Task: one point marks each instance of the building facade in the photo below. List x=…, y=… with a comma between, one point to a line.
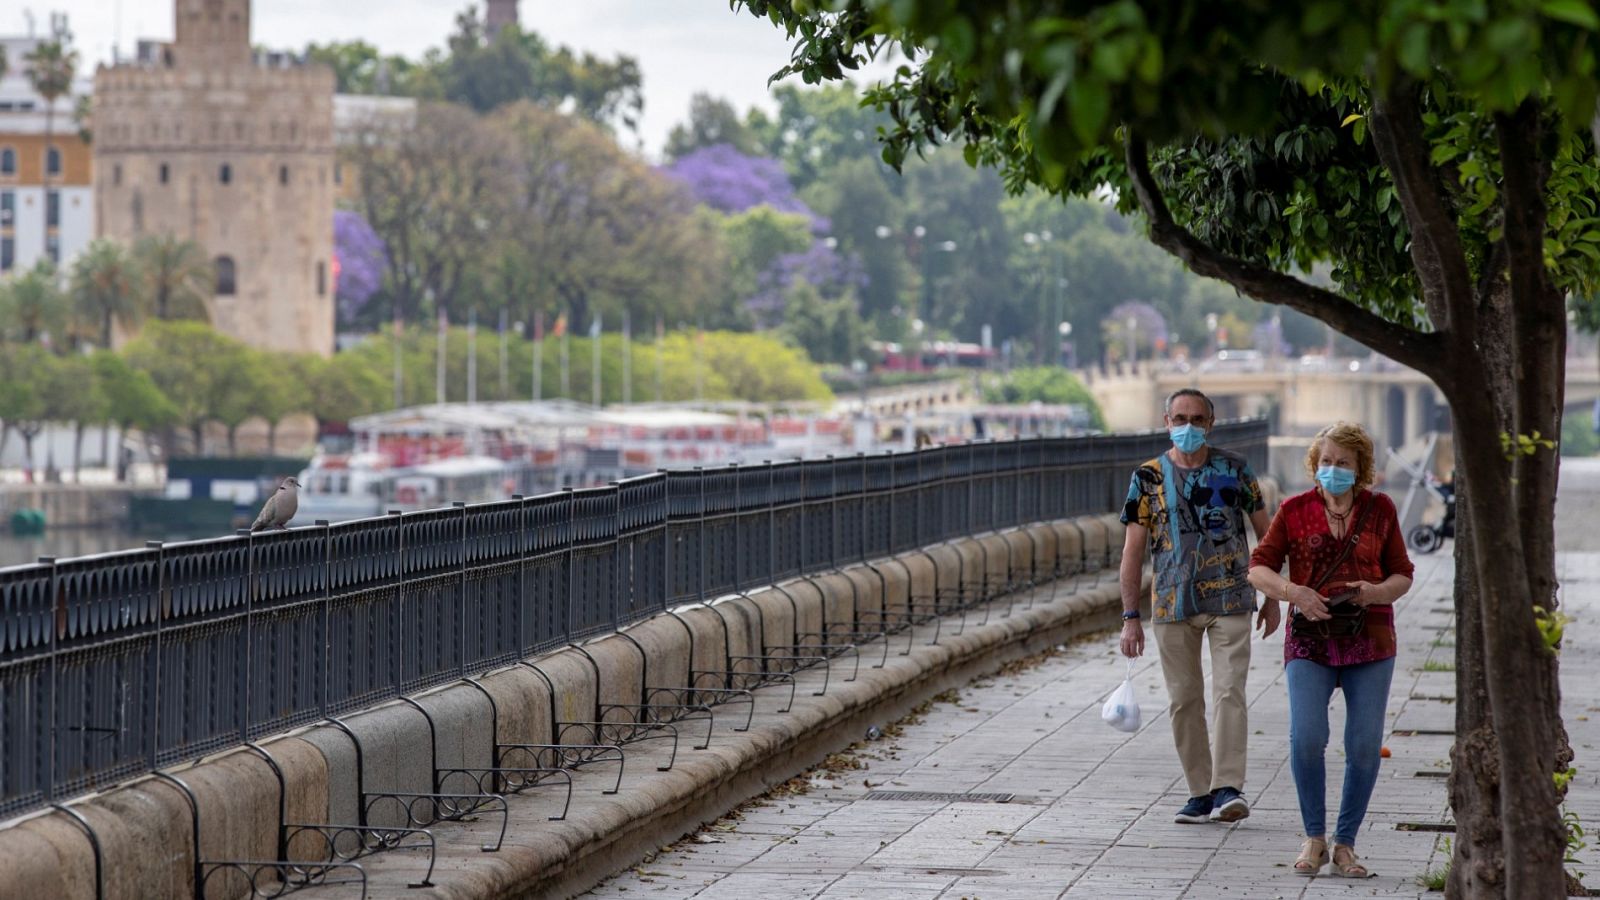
x=206, y=140
x=46, y=173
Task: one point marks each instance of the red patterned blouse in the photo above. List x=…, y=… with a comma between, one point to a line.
x=1300, y=532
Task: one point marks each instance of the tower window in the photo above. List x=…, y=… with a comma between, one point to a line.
x=52, y=247
x=322, y=278
x=8, y=253
x=338, y=174
x=8, y=161
x=52, y=209
x=52, y=161
x=226, y=285
x=116, y=175
x=164, y=173
x=283, y=174
x=225, y=174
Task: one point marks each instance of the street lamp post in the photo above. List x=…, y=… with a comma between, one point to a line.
x=1062, y=347
x=915, y=244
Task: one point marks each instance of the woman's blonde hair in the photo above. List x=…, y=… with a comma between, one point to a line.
x=1352, y=437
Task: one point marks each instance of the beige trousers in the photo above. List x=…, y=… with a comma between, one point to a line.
x=1214, y=757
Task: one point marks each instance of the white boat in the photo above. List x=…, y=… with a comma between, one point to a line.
x=338, y=488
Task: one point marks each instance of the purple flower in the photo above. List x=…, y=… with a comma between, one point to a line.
x=726, y=180
x=820, y=265
x=362, y=259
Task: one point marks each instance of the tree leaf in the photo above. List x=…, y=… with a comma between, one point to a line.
x=1091, y=107
x=1573, y=12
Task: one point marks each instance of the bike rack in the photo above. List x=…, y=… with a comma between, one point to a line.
x=288, y=875
x=771, y=664
x=852, y=630
x=560, y=756
x=441, y=807
x=646, y=713
x=690, y=696
x=500, y=780
x=798, y=654
x=368, y=840
x=602, y=735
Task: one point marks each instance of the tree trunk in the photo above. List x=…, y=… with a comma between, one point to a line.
x=1518, y=671
x=27, y=452
x=233, y=444
x=1477, y=862
x=272, y=437
x=197, y=434
x=77, y=452
x=105, y=330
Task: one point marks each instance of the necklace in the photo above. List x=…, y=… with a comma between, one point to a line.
x=1341, y=518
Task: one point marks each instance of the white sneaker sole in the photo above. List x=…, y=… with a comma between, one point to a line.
x=1232, y=811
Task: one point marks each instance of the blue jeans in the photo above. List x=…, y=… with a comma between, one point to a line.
x=1366, y=694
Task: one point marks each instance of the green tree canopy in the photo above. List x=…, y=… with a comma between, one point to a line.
x=32, y=304
x=1437, y=156
x=105, y=284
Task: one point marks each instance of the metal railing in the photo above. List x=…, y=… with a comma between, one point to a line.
x=119, y=664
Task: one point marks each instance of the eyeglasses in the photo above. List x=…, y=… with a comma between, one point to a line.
x=1201, y=494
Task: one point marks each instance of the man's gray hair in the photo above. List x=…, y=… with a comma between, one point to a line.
x=1211, y=408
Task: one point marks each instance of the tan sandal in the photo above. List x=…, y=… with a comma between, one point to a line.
x=1313, y=856
x=1346, y=864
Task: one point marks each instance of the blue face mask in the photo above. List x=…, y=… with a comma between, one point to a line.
x=1187, y=438
x=1335, y=479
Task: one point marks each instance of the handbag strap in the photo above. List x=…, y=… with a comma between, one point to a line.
x=1349, y=544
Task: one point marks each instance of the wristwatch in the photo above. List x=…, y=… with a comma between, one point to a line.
x=1130, y=614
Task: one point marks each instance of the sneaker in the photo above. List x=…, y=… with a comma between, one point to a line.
x=1228, y=805
x=1196, y=812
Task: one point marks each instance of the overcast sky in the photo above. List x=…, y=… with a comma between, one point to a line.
x=683, y=46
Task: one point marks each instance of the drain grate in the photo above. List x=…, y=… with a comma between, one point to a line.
x=1441, y=827
x=937, y=796
x=1431, y=773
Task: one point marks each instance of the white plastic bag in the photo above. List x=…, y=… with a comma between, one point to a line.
x=1122, y=707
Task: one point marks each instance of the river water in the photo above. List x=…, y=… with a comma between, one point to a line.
x=63, y=543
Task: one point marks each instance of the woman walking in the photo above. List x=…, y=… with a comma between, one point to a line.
x=1347, y=567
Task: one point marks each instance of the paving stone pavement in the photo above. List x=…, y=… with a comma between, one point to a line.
x=1092, y=812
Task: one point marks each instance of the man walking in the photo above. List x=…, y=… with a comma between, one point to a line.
x=1189, y=506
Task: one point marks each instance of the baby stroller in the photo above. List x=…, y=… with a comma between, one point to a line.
x=1426, y=538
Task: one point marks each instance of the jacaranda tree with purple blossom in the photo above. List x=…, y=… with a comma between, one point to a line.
x=731, y=182
x=362, y=258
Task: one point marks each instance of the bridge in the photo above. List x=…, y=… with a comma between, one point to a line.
x=1396, y=404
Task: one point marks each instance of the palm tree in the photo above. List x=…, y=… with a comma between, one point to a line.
x=105, y=287
x=177, y=277
x=51, y=66
x=32, y=304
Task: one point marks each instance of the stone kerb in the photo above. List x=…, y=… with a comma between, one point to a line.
x=144, y=827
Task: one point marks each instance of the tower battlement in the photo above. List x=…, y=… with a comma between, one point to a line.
x=205, y=141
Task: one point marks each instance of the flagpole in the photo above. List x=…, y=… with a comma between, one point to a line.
x=399, y=371
x=505, y=391
x=472, y=355
x=538, y=356
x=627, y=360
x=566, y=356
x=438, y=356
x=594, y=348
x=699, y=363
